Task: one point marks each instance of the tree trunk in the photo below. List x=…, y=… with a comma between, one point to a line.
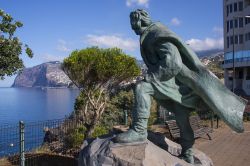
x=97, y=107
x=91, y=127
x=90, y=130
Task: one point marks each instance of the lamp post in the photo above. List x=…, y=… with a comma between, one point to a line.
x=233, y=55
x=235, y=17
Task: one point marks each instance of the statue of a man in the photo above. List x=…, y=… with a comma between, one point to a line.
x=179, y=82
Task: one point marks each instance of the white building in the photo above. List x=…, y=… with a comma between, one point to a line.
x=236, y=20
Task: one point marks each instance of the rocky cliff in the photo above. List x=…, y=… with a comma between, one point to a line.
x=47, y=74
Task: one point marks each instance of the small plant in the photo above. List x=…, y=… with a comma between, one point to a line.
x=152, y=119
x=193, y=113
x=99, y=130
x=43, y=149
x=246, y=117
x=153, y=114
x=75, y=138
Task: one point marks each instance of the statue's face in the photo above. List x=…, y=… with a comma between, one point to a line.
x=136, y=26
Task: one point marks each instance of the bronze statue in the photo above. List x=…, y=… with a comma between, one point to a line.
x=178, y=81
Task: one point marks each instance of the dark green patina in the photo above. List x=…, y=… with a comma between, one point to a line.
x=178, y=81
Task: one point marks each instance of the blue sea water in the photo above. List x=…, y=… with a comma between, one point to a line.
x=31, y=105
x=35, y=104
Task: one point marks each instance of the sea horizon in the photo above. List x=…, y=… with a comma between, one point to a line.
x=35, y=104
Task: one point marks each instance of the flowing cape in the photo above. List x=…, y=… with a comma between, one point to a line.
x=228, y=106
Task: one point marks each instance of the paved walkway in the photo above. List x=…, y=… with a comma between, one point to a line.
x=227, y=148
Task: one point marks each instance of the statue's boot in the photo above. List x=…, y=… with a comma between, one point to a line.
x=187, y=155
x=141, y=112
x=138, y=132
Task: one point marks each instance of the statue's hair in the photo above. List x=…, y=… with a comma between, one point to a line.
x=142, y=15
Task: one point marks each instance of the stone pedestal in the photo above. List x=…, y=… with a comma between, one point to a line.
x=104, y=152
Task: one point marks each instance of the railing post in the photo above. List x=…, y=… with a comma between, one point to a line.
x=126, y=117
x=212, y=119
x=217, y=118
x=21, y=145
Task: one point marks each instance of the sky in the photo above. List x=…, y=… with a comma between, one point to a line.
x=54, y=28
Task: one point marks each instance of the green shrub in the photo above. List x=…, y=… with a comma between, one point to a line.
x=246, y=117
x=81, y=129
x=114, y=115
x=152, y=119
x=74, y=138
x=193, y=113
x=99, y=130
x=153, y=113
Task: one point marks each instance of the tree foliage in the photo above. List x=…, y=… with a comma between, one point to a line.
x=96, y=72
x=120, y=102
x=96, y=67
x=10, y=46
x=124, y=100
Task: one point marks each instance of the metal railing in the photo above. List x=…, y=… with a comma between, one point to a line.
x=22, y=144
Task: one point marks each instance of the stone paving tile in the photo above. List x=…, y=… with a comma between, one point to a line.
x=227, y=148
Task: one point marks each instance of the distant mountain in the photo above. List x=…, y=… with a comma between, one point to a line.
x=47, y=74
x=208, y=53
x=50, y=74
x=217, y=58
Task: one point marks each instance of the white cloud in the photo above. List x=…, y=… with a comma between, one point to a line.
x=49, y=57
x=144, y=3
x=175, y=21
x=218, y=30
x=206, y=44
x=62, y=46
x=112, y=41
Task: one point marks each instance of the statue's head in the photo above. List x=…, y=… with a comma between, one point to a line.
x=139, y=20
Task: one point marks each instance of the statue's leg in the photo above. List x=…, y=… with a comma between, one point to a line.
x=141, y=112
x=186, y=132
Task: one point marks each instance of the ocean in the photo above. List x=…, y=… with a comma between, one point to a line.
x=35, y=104
x=31, y=105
